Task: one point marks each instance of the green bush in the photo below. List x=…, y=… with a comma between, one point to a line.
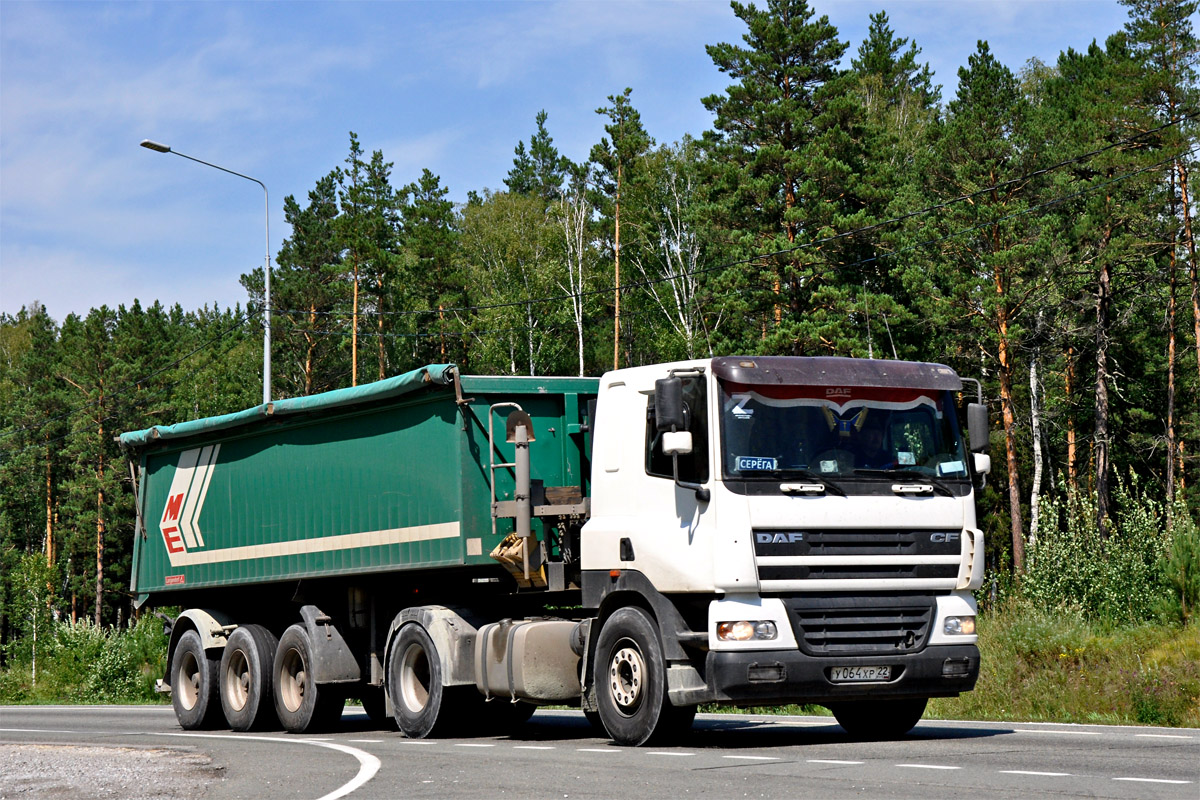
x=82, y=663
x=1118, y=580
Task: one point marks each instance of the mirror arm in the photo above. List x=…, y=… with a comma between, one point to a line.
x=702, y=492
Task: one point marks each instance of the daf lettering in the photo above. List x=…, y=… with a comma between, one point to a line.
x=779, y=538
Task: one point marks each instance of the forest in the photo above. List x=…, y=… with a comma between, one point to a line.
x=1030, y=225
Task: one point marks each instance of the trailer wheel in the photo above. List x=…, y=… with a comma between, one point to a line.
x=424, y=705
x=880, y=719
x=245, y=673
x=631, y=679
x=301, y=704
x=194, y=684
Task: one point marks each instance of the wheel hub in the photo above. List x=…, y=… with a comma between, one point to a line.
x=626, y=673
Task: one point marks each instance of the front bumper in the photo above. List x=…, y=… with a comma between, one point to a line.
x=770, y=677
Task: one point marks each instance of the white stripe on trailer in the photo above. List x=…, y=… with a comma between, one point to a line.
x=325, y=544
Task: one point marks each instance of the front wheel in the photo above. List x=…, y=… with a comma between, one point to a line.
x=879, y=719
x=631, y=691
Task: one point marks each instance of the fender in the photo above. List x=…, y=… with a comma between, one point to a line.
x=212, y=625
x=452, y=635
x=603, y=591
x=335, y=662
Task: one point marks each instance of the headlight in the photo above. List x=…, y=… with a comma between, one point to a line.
x=959, y=626
x=746, y=630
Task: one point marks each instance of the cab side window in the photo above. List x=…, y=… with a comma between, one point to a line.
x=693, y=468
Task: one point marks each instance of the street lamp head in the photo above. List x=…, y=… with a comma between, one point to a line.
x=155, y=146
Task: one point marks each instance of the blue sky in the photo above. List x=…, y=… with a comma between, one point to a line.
x=272, y=90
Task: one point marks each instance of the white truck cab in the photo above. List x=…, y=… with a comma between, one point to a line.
x=795, y=530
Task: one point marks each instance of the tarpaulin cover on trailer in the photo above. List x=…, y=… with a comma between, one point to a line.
x=391, y=387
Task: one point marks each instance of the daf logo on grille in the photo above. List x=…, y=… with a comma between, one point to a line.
x=944, y=538
x=780, y=538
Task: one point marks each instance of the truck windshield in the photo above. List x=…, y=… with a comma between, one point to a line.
x=839, y=432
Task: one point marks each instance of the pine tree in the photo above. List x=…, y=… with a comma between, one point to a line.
x=616, y=158
x=784, y=153
x=988, y=265
x=540, y=170
x=309, y=289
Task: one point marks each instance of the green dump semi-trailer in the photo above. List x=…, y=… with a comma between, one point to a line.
x=456, y=550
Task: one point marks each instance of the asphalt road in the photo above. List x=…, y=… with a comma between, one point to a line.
x=140, y=752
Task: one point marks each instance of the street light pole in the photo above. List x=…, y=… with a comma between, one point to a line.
x=162, y=148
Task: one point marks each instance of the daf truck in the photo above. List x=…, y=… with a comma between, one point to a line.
x=455, y=550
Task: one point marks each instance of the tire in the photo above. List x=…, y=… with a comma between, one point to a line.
x=880, y=719
x=246, y=668
x=424, y=706
x=631, y=692
x=302, y=705
x=593, y=718
x=194, y=684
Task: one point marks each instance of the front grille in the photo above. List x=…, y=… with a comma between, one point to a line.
x=856, y=542
x=837, y=625
x=857, y=554
x=857, y=571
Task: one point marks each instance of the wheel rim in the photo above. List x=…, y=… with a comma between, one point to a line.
x=187, y=680
x=626, y=676
x=414, y=679
x=293, y=680
x=237, y=681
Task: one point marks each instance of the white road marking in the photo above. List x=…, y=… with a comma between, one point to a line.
x=1161, y=736
x=532, y=747
x=368, y=764
x=366, y=741
x=1149, y=780
x=597, y=750
x=464, y=744
x=832, y=761
x=664, y=753
x=753, y=758
x=1039, y=774
x=1067, y=733
x=926, y=766
x=32, y=730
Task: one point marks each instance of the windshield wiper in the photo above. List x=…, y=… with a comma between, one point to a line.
x=938, y=486
x=799, y=472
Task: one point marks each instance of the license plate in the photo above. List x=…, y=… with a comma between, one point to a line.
x=853, y=674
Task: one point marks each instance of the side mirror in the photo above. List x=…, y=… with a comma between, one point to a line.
x=677, y=443
x=977, y=427
x=668, y=404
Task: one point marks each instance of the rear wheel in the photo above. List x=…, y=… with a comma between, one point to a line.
x=879, y=719
x=194, y=684
x=631, y=690
x=423, y=704
x=301, y=704
x=246, y=696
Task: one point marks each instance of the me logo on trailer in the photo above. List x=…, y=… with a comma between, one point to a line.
x=180, y=522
